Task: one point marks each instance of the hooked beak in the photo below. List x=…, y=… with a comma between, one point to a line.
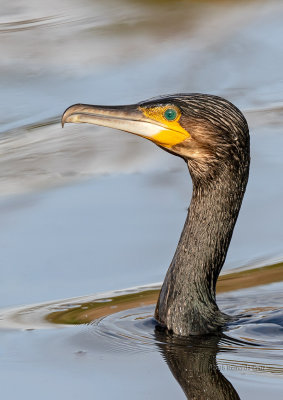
x=126, y=118
x=132, y=118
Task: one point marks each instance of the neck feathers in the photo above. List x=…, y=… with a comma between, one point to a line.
x=187, y=299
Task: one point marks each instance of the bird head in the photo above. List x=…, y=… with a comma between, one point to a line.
x=205, y=130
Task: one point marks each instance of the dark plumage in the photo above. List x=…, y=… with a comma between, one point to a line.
x=212, y=136
x=187, y=303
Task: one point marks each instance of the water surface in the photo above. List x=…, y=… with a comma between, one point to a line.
x=111, y=338
x=87, y=210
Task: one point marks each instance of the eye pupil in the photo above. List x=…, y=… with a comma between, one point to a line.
x=170, y=114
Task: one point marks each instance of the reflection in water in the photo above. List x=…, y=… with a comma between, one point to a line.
x=111, y=330
x=125, y=51
x=193, y=363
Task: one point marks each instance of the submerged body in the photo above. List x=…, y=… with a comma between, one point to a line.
x=212, y=137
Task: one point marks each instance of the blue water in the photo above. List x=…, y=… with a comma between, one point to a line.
x=87, y=210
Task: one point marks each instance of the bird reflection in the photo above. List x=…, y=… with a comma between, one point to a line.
x=192, y=362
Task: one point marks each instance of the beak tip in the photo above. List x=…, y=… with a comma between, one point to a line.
x=64, y=119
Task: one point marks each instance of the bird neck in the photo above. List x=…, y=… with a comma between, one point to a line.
x=187, y=302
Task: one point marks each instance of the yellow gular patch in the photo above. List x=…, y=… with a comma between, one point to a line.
x=171, y=132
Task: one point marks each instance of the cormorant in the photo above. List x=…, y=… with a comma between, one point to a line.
x=212, y=136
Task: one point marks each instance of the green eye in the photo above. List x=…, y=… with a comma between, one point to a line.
x=170, y=114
